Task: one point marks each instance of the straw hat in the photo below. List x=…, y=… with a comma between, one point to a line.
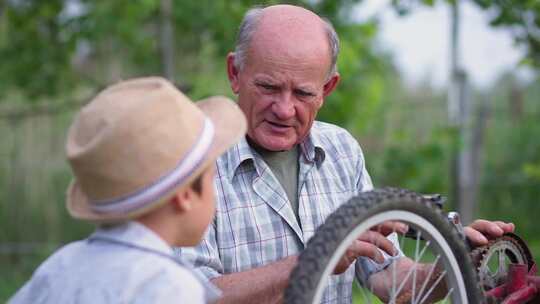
x=138, y=142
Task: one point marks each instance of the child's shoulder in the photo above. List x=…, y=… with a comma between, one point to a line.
x=172, y=282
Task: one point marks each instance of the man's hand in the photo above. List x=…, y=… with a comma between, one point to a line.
x=369, y=243
x=480, y=231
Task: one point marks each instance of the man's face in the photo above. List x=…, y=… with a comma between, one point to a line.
x=280, y=93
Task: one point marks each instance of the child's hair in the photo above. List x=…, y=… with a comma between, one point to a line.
x=196, y=185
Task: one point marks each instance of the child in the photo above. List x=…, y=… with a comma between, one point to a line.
x=143, y=159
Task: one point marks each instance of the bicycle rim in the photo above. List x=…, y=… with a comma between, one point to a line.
x=436, y=243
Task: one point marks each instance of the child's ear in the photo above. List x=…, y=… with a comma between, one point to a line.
x=183, y=200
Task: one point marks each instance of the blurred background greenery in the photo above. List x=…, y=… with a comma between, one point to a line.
x=56, y=54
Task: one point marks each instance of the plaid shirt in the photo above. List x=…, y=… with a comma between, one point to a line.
x=255, y=224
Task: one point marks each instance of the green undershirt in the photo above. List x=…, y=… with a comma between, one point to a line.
x=284, y=165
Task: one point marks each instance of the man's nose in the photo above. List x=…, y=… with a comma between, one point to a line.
x=283, y=106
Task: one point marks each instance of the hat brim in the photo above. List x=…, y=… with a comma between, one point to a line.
x=229, y=126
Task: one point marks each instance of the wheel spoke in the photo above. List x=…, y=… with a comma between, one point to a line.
x=391, y=290
x=501, y=268
x=413, y=268
x=430, y=273
x=432, y=287
x=393, y=264
x=393, y=280
x=418, y=260
x=448, y=295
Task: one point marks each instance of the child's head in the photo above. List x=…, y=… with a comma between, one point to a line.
x=140, y=144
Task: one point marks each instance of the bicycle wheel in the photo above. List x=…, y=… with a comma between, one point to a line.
x=441, y=268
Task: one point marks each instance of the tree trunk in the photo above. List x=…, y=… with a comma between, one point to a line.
x=167, y=39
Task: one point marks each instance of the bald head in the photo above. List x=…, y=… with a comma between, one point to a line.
x=290, y=17
x=291, y=30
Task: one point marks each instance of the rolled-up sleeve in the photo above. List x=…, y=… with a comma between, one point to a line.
x=204, y=258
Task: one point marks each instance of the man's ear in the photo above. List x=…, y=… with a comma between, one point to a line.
x=232, y=73
x=331, y=84
x=182, y=201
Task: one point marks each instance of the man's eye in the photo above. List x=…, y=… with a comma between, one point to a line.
x=303, y=93
x=268, y=87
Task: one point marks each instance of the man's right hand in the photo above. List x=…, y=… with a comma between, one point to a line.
x=369, y=243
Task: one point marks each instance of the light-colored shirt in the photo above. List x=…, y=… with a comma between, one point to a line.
x=284, y=165
x=127, y=263
x=255, y=224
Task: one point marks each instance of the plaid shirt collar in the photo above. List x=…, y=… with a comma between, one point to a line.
x=311, y=148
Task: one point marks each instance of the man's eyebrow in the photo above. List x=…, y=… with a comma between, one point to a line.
x=263, y=77
x=263, y=81
x=307, y=89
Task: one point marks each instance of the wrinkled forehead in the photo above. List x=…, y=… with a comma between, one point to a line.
x=280, y=71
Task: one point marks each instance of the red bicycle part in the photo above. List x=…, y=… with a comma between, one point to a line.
x=521, y=287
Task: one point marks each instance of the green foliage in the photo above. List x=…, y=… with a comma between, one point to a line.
x=117, y=39
x=404, y=7
x=532, y=171
x=363, y=73
x=418, y=166
x=36, y=47
x=511, y=180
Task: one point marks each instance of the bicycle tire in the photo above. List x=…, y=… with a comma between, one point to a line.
x=317, y=261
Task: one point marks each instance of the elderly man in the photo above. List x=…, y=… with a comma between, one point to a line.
x=279, y=184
